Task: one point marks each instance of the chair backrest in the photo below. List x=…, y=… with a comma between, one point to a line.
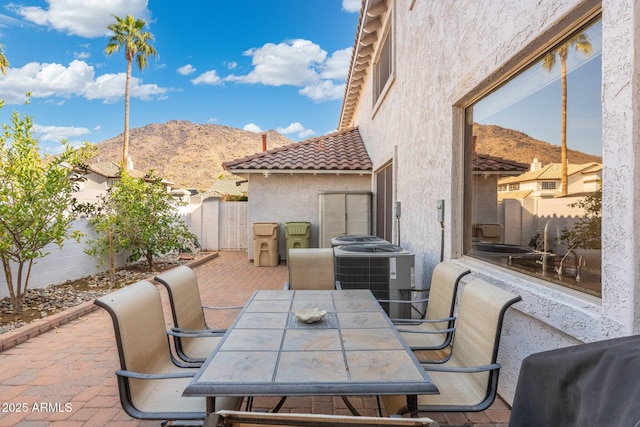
x=184, y=296
x=139, y=325
x=254, y=419
x=478, y=329
x=444, y=287
x=311, y=268
x=143, y=348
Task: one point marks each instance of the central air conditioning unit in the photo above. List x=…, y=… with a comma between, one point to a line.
x=353, y=239
x=386, y=270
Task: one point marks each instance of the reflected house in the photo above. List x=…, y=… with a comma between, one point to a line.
x=543, y=181
x=487, y=173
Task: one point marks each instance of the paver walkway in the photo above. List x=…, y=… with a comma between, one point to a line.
x=66, y=376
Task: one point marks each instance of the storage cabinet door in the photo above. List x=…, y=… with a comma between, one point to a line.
x=332, y=217
x=358, y=214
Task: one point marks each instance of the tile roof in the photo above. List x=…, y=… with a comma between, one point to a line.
x=483, y=163
x=339, y=151
x=227, y=187
x=553, y=171
x=113, y=170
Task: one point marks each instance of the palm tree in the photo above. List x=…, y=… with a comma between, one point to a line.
x=128, y=34
x=4, y=63
x=580, y=42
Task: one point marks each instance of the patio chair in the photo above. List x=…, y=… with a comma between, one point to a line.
x=435, y=329
x=188, y=315
x=149, y=382
x=311, y=269
x=468, y=379
x=254, y=419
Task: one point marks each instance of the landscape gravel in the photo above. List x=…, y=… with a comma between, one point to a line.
x=43, y=301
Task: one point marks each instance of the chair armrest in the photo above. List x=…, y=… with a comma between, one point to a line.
x=230, y=307
x=209, y=332
x=399, y=322
x=439, y=331
x=141, y=376
x=461, y=369
x=190, y=334
x=404, y=301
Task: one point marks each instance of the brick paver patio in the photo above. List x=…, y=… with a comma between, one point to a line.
x=65, y=376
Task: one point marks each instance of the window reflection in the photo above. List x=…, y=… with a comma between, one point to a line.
x=536, y=160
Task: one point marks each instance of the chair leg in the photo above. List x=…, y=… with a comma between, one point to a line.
x=351, y=408
x=249, y=404
x=279, y=405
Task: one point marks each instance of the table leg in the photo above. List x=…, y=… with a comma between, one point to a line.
x=211, y=404
x=412, y=405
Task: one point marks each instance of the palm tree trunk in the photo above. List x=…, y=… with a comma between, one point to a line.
x=563, y=129
x=125, y=148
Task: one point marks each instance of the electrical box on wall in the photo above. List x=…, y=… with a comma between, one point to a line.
x=440, y=210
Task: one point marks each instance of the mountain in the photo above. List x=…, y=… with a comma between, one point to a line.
x=515, y=145
x=186, y=153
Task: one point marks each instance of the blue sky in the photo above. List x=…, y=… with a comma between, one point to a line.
x=252, y=64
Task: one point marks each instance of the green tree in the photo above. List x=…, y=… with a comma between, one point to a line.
x=580, y=43
x=36, y=201
x=586, y=233
x=138, y=215
x=4, y=63
x=129, y=34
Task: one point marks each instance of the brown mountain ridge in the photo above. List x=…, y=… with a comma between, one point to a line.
x=191, y=155
x=515, y=145
x=186, y=153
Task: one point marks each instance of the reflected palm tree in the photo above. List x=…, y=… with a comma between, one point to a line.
x=580, y=42
x=4, y=63
x=128, y=34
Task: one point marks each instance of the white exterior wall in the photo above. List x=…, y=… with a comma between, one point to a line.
x=283, y=198
x=63, y=264
x=443, y=50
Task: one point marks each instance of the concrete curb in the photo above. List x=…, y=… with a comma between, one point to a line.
x=40, y=326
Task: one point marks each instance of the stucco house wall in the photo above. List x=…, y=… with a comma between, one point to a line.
x=285, y=197
x=443, y=51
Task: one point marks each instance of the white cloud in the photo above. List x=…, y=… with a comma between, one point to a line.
x=82, y=55
x=293, y=63
x=58, y=133
x=299, y=63
x=85, y=18
x=208, y=78
x=324, y=90
x=185, y=70
x=53, y=80
x=351, y=5
x=337, y=66
x=231, y=65
x=296, y=127
x=252, y=127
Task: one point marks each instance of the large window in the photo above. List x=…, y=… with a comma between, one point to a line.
x=383, y=67
x=544, y=129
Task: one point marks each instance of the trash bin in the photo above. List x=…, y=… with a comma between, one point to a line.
x=265, y=244
x=297, y=235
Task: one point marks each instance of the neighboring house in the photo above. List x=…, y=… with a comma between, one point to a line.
x=423, y=72
x=100, y=176
x=227, y=187
x=285, y=183
x=545, y=181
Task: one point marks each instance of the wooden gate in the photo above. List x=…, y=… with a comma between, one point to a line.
x=233, y=225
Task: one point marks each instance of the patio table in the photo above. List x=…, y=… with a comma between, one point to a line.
x=354, y=350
